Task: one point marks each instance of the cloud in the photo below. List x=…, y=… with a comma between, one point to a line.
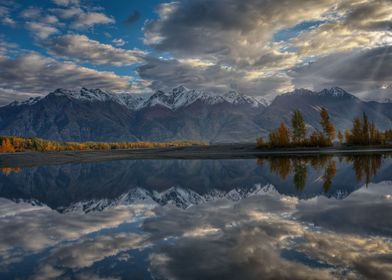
x=118, y=42
x=41, y=30
x=48, y=228
x=257, y=237
x=81, y=17
x=353, y=215
x=66, y=2
x=40, y=24
x=266, y=236
x=134, y=17
x=36, y=74
x=68, y=12
x=355, y=25
x=81, y=48
x=235, y=38
x=362, y=72
x=232, y=31
x=7, y=47
x=89, y=19
x=5, y=15
x=199, y=74
x=240, y=36
x=31, y=13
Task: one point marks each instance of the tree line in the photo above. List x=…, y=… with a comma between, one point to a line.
x=363, y=132
x=11, y=144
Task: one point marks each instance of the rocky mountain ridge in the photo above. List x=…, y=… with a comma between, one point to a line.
x=99, y=115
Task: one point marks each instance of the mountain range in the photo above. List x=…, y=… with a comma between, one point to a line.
x=99, y=115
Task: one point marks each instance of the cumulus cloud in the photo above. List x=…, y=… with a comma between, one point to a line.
x=80, y=16
x=118, y=42
x=229, y=44
x=81, y=48
x=5, y=16
x=35, y=74
x=363, y=72
x=66, y=2
x=41, y=30
x=89, y=19
x=240, y=35
x=199, y=74
x=233, y=31
x=39, y=24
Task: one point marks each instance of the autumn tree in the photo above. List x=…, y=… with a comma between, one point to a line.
x=260, y=142
x=356, y=132
x=327, y=125
x=347, y=135
x=365, y=138
x=299, y=127
x=284, y=135
x=6, y=146
x=340, y=137
x=280, y=137
x=317, y=139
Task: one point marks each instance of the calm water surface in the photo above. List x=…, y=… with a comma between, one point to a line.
x=267, y=218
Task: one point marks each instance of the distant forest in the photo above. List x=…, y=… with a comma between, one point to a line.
x=363, y=133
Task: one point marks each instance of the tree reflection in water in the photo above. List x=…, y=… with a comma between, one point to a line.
x=365, y=167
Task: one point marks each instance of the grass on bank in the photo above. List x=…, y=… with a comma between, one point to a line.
x=13, y=144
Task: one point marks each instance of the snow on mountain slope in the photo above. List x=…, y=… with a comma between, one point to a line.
x=335, y=92
x=175, y=99
x=30, y=101
x=181, y=97
x=175, y=196
x=97, y=95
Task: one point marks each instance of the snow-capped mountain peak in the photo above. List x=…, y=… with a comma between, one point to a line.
x=30, y=101
x=181, y=96
x=332, y=92
x=178, y=97
x=336, y=92
x=131, y=101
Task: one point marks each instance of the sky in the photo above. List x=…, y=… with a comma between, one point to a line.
x=257, y=47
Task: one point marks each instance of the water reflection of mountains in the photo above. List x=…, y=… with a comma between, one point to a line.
x=187, y=182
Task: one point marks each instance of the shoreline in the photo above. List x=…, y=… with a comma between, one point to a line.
x=222, y=151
